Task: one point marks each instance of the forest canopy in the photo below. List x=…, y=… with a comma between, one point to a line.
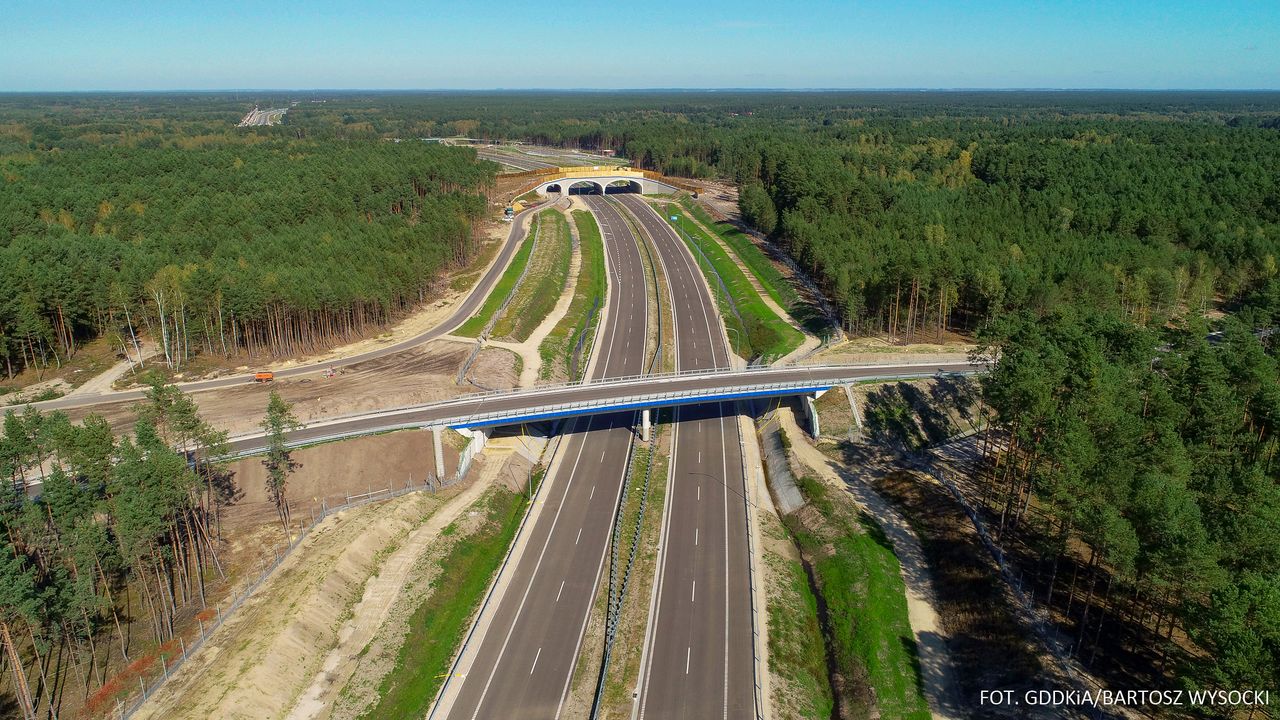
x=251, y=243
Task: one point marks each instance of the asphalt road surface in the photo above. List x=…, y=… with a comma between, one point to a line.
x=521, y=664
x=698, y=657
x=465, y=310
x=518, y=162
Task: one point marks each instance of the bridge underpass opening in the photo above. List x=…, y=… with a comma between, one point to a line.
x=553, y=188
x=623, y=186
x=585, y=187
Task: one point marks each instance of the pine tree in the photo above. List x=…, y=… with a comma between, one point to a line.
x=279, y=421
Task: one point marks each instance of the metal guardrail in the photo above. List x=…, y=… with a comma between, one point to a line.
x=638, y=401
x=618, y=591
x=679, y=374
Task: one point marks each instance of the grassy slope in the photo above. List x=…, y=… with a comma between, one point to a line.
x=795, y=636
x=548, y=275
x=765, y=334
x=476, y=323
x=557, y=346
x=752, y=256
x=857, y=576
x=771, y=278
x=438, y=625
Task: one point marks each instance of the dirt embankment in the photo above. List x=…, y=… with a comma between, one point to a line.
x=300, y=632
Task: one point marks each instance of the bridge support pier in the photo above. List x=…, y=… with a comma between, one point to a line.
x=478, y=436
x=645, y=427
x=811, y=413
x=438, y=442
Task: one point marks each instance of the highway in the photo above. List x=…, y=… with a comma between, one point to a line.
x=521, y=659
x=514, y=161
x=464, y=310
x=698, y=654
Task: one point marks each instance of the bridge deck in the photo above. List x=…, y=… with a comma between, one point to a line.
x=593, y=398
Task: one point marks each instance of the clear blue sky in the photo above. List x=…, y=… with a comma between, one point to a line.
x=223, y=44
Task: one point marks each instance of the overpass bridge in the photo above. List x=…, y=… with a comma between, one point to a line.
x=477, y=414
x=599, y=180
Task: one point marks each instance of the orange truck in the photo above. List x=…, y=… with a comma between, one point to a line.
x=262, y=377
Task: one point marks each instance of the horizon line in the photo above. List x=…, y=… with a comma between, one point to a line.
x=690, y=89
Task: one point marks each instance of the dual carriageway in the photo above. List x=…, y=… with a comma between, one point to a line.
x=699, y=656
x=699, y=653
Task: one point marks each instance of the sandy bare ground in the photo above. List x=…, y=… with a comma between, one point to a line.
x=103, y=382
x=531, y=358
x=872, y=350
x=381, y=593
x=940, y=684
x=284, y=638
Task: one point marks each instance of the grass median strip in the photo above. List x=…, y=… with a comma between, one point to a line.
x=476, y=323
x=584, y=309
x=440, y=622
x=756, y=331
x=545, y=283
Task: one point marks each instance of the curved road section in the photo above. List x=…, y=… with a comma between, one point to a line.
x=520, y=658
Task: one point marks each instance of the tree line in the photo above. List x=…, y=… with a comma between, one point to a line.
x=123, y=537
x=1144, y=460
x=123, y=531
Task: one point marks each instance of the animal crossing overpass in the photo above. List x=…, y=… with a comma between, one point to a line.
x=599, y=180
x=483, y=411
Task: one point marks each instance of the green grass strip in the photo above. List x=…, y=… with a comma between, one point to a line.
x=588, y=298
x=476, y=323
x=760, y=333
x=858, y=577
x=440, y=622
x=795, y=641
x=541, y=290
x=771, y=279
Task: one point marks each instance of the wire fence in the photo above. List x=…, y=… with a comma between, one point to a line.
x=618, y=586
x=1035, y=618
